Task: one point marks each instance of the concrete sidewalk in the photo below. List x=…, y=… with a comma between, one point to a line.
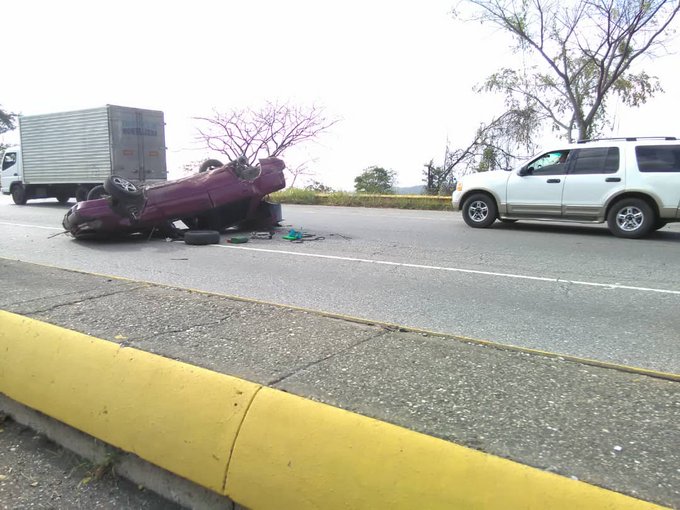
x=610, y=428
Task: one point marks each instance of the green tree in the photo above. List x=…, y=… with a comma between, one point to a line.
x=585, y=50
x=7, y=123
x=377, y=180
x=318, y=187
x=438, y=180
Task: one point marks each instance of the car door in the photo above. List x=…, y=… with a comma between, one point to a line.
x=536, y=189
x=9, y=171
x=594, y=175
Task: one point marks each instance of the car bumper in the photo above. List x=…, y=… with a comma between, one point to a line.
x=455, y=200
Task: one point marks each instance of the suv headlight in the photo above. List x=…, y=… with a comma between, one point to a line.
x=459, y=186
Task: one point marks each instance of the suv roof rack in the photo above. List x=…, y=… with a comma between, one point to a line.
x=628, y=138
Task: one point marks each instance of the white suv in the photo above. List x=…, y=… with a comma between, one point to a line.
x=631, y=183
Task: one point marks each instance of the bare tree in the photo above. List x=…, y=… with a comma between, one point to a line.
x=496, y=145
x=586, y=48
x=297, y=171
x=266, y=132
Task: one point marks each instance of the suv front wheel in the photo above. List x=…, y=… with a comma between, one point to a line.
x=631, y=218
x=479, y=210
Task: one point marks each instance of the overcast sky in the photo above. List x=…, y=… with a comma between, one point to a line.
x=400, y=74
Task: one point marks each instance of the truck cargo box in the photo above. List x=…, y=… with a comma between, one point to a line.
x=86, y=146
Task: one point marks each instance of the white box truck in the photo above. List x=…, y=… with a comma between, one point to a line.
x=66, y=154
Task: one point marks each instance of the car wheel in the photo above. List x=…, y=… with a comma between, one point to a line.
x=479, y=210
x=631, y=218
x=209, y=164
x=660, y=224
x=19, y=194
x=97, y=192
x=122, y=189
x=202, y=237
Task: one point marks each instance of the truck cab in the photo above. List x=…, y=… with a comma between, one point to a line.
x=11, y=170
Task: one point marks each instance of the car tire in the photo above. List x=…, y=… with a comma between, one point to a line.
x=631, y=218
x=660, y=224
x=202, y=237
x=479, y=210
x=19, y=194
x=97, y=192
x=122, y=189
x=209, y=164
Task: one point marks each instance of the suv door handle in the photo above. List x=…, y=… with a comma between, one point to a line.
x=553, y=181
x=613, y=179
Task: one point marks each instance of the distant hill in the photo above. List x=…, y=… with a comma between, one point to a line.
x=410, y=190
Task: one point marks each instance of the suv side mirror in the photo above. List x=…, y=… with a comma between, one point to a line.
x=525, y=170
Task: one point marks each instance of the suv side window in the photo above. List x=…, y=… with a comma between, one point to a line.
x=598, y=160
x=658, y=158
x=551, y=163
x=9, y=160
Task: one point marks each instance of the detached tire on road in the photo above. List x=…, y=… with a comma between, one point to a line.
x=202, y=237
x=479, y=210
x=631, y=218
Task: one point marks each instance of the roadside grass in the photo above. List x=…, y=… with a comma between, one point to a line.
x=342, y=198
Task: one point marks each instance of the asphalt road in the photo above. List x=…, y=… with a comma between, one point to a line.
x=565, y=288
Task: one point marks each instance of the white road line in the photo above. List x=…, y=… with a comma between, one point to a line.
x=420, y=266
x=455, y=270
x=30, y=226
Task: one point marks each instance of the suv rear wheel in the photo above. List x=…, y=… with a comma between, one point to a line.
x=479, y=210
x=631, y=218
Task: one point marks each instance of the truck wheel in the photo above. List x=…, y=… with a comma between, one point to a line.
x=631, y=218
x=63, y=197
x=81, y=193
x=19, y=194
x=202, y=237
x=97, y=192
x=122, y=189
x=209, y=164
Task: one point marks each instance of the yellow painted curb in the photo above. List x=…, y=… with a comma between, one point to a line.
x=177, y=416
x=296, y=453
x=263, y=448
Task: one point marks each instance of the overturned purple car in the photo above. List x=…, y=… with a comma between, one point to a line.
x=218, y=197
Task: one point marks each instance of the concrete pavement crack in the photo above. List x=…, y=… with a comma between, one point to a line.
x=81, y=300
x=325, y=358
x=187, y=329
